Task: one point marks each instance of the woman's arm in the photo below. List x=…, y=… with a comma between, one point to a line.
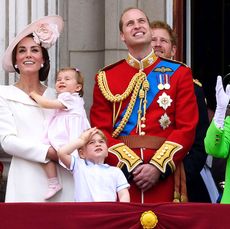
x=222, y=101
x=45, y=102
x=26, y=146
x=217, y=142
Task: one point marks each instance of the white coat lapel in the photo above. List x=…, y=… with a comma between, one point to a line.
x=15, y=94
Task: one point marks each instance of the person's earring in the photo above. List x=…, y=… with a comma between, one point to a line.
x=16, y=66
x=42, y=65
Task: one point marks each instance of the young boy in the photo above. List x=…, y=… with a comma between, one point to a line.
x=94, y=180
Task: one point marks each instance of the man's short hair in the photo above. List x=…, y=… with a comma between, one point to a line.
x=126, y=10
x=164, y=25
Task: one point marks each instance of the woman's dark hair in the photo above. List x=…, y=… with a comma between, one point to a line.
x=44, y=71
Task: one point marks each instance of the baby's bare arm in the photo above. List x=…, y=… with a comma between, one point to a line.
x=45, y=102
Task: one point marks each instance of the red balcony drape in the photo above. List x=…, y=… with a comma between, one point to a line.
x=109, y=215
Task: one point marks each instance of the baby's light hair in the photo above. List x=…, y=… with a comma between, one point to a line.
x=78, y=75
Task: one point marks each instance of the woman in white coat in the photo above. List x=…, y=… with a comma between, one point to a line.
x=22, y=121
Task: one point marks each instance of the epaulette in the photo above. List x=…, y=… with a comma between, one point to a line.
x=196, y=81
x=175, y=61
x=111, y=65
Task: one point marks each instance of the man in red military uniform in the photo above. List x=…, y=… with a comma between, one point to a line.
x=147, y=108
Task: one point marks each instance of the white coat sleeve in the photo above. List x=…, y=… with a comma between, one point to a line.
x=14, y=145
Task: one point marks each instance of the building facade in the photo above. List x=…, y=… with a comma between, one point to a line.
x=89, y=41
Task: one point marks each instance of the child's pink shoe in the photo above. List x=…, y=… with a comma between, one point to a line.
x=52, y=190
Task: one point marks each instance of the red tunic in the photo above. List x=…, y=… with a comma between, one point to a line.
x=182, y=112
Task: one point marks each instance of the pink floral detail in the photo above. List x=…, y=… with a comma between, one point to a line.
x=46, y=35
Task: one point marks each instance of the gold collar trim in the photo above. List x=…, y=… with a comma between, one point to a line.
x=142, y=64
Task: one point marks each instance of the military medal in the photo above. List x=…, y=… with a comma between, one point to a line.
x=164, y=121
x=167, y=85
x=160, y=85
x=164, y=101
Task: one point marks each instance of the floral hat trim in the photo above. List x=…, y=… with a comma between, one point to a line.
x=45, y=32
x=46, y=35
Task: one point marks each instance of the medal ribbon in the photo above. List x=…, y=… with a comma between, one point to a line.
x=152, y=78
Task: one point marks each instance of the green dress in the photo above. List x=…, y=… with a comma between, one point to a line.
x=217, y=143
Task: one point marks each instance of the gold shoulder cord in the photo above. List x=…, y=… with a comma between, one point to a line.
x=134, y=85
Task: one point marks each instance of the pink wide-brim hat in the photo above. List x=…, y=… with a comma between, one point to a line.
x=7, y=57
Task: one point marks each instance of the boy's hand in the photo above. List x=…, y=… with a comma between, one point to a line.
x=86, y=135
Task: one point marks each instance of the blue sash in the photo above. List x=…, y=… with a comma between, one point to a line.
x=153, y=79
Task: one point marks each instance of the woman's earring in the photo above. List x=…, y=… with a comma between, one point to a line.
x=16, y=66
x=42, y=65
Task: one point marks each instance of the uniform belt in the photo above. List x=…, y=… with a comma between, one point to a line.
x=137, y=141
